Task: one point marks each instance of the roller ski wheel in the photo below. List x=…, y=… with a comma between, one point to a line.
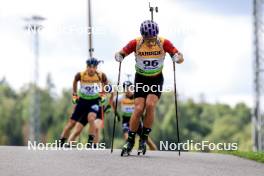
x=142, y=148
x=127, y=148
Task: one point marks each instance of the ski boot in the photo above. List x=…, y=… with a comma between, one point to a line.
x=142, y=148
x=90, y=144
x=127, y=148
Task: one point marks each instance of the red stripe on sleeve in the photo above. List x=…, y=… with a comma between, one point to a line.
x=169, y=48
x=130, y=47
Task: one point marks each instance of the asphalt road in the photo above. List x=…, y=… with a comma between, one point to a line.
x=19, y=161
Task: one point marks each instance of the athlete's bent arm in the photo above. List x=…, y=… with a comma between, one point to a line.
x=75, y=83
x=128, y=49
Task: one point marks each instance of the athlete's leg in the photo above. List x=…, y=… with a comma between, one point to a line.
x=76, y=132
x=91, y=120
x=125, y=135
x=67, y=129
x=151, y=144
x=77, y=113
x=125, y=126
x=138, y=111
x=98, y=127
x=139, y=106
x=134, y=121
x=151, y=103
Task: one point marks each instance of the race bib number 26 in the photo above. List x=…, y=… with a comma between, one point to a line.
x=150, y=64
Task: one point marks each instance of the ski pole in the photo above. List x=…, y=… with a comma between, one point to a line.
x=90, y=30
x=118, y=81
x=102, y=116
x=176, y=108
x=152, y=9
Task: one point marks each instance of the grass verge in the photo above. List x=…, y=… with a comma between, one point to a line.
x=256, y=156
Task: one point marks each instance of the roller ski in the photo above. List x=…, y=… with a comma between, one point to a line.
x=142, y=148
x=127, y=148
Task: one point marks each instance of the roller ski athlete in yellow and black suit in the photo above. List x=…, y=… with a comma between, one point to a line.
x=150, y=50
x=87, y=100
